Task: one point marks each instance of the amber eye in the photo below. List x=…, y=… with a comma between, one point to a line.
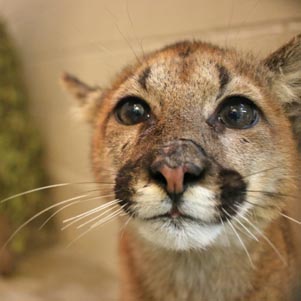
x=132, y=110
x=238, y=112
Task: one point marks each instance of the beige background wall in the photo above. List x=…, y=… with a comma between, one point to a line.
x=93, y=39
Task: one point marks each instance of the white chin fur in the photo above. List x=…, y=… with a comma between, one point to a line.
x=185, y=237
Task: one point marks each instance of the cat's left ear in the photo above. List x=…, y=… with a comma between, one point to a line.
x=87, y=97
x=285, y=67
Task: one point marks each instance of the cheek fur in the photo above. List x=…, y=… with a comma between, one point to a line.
x=150, y=201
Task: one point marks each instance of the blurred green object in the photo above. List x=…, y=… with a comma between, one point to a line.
x=21, y=156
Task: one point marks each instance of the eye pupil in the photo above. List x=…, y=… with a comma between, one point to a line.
x=132, y=110
x=234, y=114
x=238, y=113
x=137, y=111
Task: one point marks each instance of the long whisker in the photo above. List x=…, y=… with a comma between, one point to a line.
x=34, y=190
x=56, y=212
x=268, y=169
x=290, y=218
x=49, y=187
x=84, y=214
x=80, y=216
x=39, y=214
x=127, y=41
x=264, y=237
x=98, y=216
x=260, y=171
x=87, y=212
x=259, y=205
x=224, y=228
x=69, y=205
x=133, y=29
x=102, y=221
x=248, y=231
x=107, y=219
x=272, y=193
x=242, y=244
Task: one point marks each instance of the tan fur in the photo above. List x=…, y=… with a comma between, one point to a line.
x=185, y=84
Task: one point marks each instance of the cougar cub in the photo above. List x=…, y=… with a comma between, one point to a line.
x=201, y=144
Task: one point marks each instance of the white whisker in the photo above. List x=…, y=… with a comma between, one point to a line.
x=224, y=229
x=265, y=238
x=39, y=214
x=102, y=221
x=49, y=187
x=241, y=224
x=97, y=217
x=66, y=206
x=242, y=244
x=34, y=190
x=291, y=218
x=260, y=171
x=74, y=219
x=56, y=212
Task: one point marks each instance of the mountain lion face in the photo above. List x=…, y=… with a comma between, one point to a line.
x=199, y=142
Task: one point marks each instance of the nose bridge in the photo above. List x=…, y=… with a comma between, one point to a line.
x=184, y=122
x=179, y=152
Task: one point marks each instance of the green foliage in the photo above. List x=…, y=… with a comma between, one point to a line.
x=21, y=157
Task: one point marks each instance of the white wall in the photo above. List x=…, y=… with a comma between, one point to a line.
x=93, y=39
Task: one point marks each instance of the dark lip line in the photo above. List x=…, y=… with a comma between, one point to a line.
x=182, y=217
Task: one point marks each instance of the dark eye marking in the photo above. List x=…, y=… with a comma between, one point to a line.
x=224, y=79
x=235, y=112
x=132, y=110
x=185, y=52
x=142, y=80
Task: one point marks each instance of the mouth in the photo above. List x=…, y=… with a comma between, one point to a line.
x=177, y=230
x=175, y=216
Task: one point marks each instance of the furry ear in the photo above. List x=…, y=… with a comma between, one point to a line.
x=285, y=67
x=87, y=97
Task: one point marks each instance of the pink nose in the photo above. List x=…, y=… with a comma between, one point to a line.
x=176, y=178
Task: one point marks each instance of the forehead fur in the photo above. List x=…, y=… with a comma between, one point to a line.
x=188, y=61
x=201, y=74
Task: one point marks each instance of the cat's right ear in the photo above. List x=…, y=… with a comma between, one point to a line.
x=87, y=97
x=285, y=69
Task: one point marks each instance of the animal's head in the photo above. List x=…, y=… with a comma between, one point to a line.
x=198, y=140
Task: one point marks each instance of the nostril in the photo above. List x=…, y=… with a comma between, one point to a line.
x=193, y=173
x=190, y=178
x=159, y=178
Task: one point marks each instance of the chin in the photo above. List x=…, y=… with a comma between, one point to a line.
x=179, y=235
